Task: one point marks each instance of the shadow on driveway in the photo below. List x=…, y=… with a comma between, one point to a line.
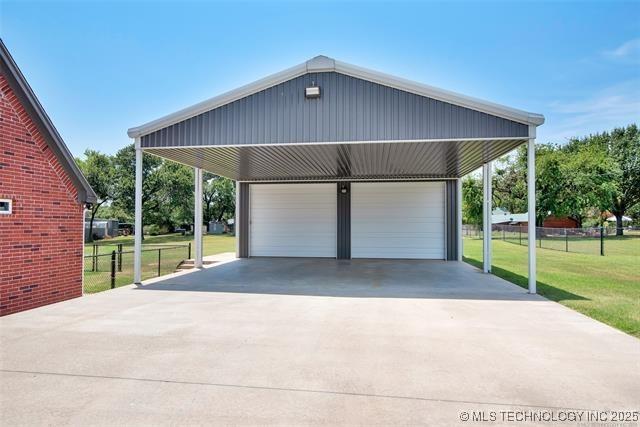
x=348, y=279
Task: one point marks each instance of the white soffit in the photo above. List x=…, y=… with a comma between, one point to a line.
x=322, y=64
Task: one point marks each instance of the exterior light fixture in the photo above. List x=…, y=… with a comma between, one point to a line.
x=312, y=92
x=344, y=189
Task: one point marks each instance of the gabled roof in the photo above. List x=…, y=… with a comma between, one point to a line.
x=321, y=64
x=31, y=104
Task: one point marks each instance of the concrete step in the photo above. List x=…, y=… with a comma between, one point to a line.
x=190, y=263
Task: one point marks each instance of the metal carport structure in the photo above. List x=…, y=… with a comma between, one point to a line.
x=332, y=122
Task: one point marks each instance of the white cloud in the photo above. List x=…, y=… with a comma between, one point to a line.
x=628, y=49
x=615, y=106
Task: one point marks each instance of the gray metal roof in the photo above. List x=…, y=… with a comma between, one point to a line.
x=349, y=109
x=364, y=125
x=323, y=64
x=30, y=102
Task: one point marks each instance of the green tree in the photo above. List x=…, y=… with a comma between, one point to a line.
x=550, y=183
x=218, y=198
x=624, y=149
x=613, y=162
x=98, y=168
x=152, y=184
x=590, y=181
x=472, y=200
x=176, y=195
x=509, y=186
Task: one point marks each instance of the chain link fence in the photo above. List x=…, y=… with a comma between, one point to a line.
x=110, y=266
x=591, y=240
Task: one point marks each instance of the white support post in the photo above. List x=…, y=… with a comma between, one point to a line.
x=531, y=194
x=459, y=216
x=235, y=220
x=486, y=217
x=197, y=220
x=137, y=247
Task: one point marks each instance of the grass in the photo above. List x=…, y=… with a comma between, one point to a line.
x=173, y=250
x=606, y=288
x=212, y=244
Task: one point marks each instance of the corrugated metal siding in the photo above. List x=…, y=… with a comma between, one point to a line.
x=405, y=160
x=344, y=221
x=349, y=109
x=243, y=220
x=451, y=208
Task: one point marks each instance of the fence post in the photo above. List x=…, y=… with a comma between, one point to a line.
x=94, y=260
x=566, y=241
x=601, y=241
x=520, y=232
x=159, y=252
x=189, y=254
x=120, y=257
x=503, y=234
x=113, y=269
x=540, y=239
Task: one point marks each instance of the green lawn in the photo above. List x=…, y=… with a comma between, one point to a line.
x=606, y=288
x=170, y=248
x=212, y=244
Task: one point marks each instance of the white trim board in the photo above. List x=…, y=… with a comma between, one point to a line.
x=323, y=64
x=382, y=141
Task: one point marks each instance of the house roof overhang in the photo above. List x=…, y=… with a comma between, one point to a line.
x=30, y=102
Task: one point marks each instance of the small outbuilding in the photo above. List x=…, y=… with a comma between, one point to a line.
x=42, y=199
x=338, y=161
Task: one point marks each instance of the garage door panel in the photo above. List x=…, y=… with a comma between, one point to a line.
x=293, y=220
x=397, y=220
x=291, y=228
x=422, y=240
x=314, y=237
x=430, y=217
x=302, y=216
x=400, y=254
x=417, y=230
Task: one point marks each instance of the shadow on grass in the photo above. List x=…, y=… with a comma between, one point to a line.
x=548, y=291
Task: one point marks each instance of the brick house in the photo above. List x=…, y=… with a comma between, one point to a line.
x=42, y=200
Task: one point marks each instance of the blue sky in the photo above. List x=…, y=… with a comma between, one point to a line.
x=102, y=67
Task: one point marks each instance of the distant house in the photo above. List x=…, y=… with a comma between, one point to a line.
x=503, y=217
x=42, y=200
x=560, y=222
x=612, y=218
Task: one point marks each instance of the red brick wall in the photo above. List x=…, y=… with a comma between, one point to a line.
x=41, y=241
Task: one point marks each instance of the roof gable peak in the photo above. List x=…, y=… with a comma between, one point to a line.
x=323, y=63
x=320, y=64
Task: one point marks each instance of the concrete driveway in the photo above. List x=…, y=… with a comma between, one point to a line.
x=299, y=341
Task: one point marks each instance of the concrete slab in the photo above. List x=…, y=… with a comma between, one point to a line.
x=310, y=342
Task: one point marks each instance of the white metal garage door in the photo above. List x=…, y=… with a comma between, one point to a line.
x=397, y=220
x=293, y=220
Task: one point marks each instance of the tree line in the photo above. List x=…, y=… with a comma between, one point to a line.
x=167, y=194
x=585, y=179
